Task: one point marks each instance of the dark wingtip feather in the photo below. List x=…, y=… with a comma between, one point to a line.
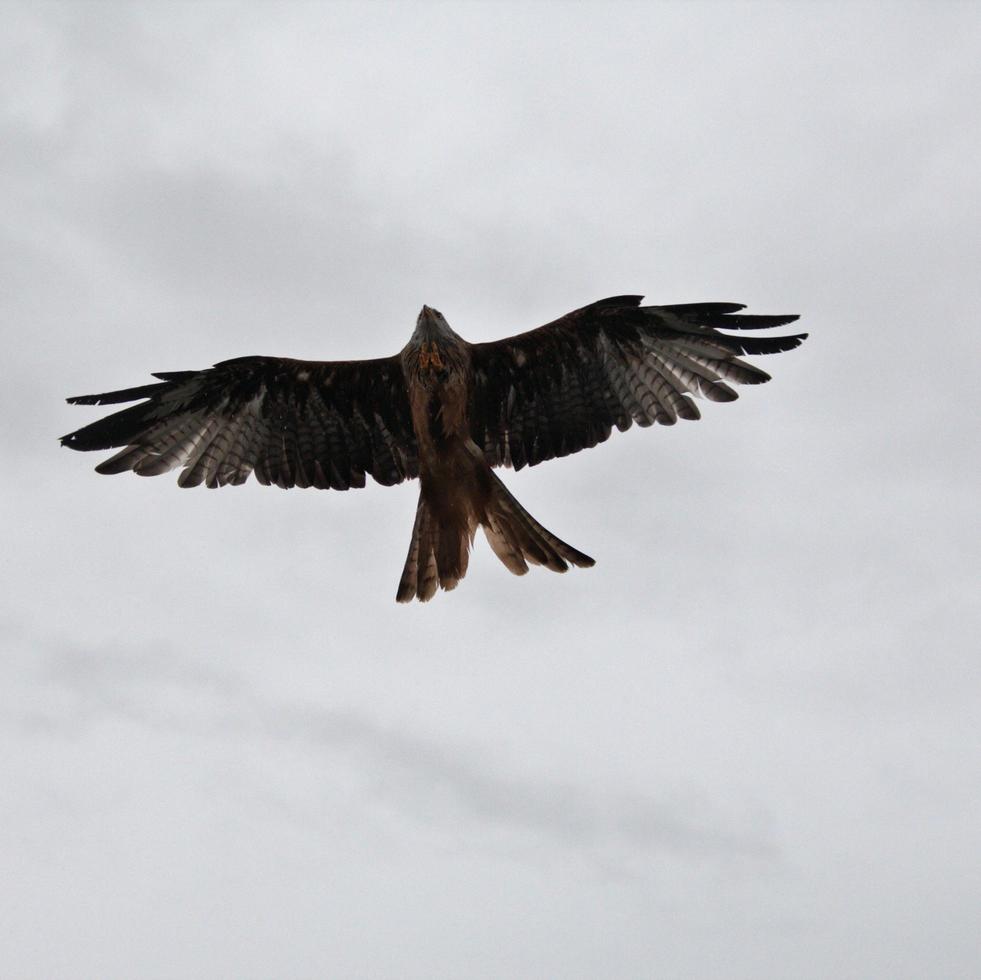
x=114, y=430
x=702, y=308
x=115, y=397
x=726, y=316
x=757, y=321
x=760, y=345
x=773, y=345
x=75, y=440
x=117, y=429
x=78, y=442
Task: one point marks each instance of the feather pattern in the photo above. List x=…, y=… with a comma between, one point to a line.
x=291, y=423
x=564, y=387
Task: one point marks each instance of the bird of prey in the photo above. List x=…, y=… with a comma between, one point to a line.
x=443, y=410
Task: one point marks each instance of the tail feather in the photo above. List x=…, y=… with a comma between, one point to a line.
x=518, y=539
x=439, y=554
x=412, y=585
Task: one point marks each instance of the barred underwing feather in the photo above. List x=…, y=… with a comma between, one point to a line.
x=166, y=446
x=122, y=461
x=234, y=466
x=701, y=379
x=655, y=385
x=244, y=454
x=618, y=370
x=195, y=460
x=644, y=404
x=674, y=392
x=728, y=367
x=218, y=451
x=198, y=460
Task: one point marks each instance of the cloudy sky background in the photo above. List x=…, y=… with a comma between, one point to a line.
x=745, y=744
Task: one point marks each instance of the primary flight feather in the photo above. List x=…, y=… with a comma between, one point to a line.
x=442, y=410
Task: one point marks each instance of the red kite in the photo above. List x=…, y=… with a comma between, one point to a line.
x=442, y=410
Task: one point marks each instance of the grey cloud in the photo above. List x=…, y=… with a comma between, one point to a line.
x=431, y=776
x=438, y=782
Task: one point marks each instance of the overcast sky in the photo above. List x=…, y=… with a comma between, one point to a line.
x=744, y=745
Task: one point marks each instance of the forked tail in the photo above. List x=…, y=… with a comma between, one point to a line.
x=439, y=551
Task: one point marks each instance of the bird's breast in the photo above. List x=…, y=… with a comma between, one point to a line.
x=439, y=412
x=438, y=379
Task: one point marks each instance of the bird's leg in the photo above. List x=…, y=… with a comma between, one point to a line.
x=429, y=356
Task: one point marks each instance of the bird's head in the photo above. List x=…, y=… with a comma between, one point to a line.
x=434, y=350
x=431, y=326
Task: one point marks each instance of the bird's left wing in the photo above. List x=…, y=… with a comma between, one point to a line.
x=292, y=423
x=565, y=386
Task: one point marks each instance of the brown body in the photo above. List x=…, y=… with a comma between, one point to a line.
x=458, y=490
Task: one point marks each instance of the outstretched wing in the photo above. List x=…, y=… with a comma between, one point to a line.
x=563, y=387
x=292, y=423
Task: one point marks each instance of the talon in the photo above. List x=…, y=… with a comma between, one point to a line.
x=429, y=356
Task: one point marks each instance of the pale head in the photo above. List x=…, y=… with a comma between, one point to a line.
x=431, y=326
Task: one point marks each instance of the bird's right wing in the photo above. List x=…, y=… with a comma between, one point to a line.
x=293, y=423
x=565, y=386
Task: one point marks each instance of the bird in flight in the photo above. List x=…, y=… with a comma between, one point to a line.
x=443, y=410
